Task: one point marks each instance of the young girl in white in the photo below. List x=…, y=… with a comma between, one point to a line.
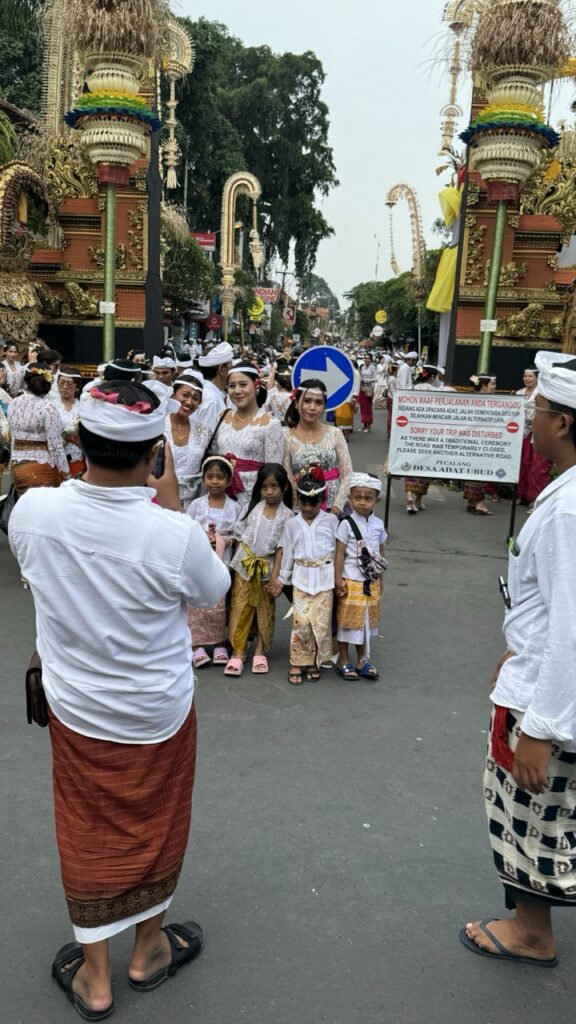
x=217, y=515
x=259, y=533
x=308, y=548
x=359, y=540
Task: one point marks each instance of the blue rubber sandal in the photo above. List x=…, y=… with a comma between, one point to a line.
x=367, y=670
x=347, y=672
x=503, y=953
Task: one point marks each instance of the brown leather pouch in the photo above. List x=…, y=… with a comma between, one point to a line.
x=36, y=703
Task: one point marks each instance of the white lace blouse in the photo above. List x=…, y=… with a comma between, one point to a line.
x=37, y=418
x=69, y=422
x=188, y=458
x=330, y=453
x=259, y=442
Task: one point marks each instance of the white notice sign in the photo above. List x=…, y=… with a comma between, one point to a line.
x=488, y=325
x=107, y=307
x=451, y=435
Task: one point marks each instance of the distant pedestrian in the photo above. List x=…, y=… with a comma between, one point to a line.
x=366, y=396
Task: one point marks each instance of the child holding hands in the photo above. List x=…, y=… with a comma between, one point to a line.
x=217, y=515
x=258, y=552
x=308, y=546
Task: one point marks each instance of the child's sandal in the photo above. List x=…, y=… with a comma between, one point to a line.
x=347, y=672
x=367, y=670
x=312, y=674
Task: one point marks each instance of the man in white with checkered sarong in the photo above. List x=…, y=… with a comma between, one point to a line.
x=530, y=778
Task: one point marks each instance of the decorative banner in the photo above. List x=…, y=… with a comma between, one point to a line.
x=450, y=435
x=381, y=316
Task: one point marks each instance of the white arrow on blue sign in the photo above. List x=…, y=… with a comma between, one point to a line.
x=332, y=367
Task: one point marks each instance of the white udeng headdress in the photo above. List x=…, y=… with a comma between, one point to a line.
x=365, y=480
x=102, y=415
x=558, y=383
x=165, y=362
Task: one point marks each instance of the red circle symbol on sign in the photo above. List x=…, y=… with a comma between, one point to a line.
x=402, y=421
x=512, y=427
x=214, y=322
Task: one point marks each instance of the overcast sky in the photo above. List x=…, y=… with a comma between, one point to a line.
x=384, y=91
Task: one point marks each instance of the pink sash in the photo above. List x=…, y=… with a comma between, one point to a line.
x=240, y=466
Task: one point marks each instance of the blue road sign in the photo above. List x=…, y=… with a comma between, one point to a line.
x=329, y=365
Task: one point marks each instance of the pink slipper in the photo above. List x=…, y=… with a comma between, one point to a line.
x=200, y=658
x=220, y=656
x=235, y=667
x=259, y=665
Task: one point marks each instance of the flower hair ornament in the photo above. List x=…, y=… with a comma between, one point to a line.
x=47, y=374
x=474, y=380
x=313, y=473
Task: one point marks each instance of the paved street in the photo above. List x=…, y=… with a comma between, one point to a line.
x=338, y=839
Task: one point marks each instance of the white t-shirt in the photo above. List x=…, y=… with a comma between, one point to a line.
x=111, y=574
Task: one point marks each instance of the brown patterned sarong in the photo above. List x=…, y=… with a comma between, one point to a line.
x=122, y=820
x=311, y=640
x=33, y=474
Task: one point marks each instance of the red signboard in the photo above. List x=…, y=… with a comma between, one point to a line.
x=205, y=239
x=266, y=294
x=214, y=322
x=290, y=314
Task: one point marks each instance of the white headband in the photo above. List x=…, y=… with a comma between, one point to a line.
x=104, y=417
x=365, y=480
x=244, y=369
x=190, y=382
x=163, y=362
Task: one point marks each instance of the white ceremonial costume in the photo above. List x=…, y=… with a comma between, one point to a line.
x=540, y=627
x=308, y=553
x=256, y=442
x=224, y=519
x=188, y=458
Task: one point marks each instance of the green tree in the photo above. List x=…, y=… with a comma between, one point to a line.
x=17, y=14
x=21, y=65
x=302, y=325
x=246, y=108
x=188, y=274
x=316, y=290
x=396, y=296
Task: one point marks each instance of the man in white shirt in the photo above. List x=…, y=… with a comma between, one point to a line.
x=111, y=573
x=530, y=779
x=214, y=367
x=404, y=375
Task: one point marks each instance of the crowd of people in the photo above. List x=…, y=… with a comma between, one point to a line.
x=171, y=507
x=257, y=466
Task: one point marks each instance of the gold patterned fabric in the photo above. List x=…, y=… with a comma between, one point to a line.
x=243, y=613
x=311, y=640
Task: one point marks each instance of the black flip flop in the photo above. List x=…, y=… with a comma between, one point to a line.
x=73, y=954
x=504, y=953
x=189, y=932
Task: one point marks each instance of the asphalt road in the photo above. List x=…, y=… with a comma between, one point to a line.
x=338, y=840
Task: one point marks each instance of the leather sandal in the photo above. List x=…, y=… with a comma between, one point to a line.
x=73, y=955
x=192, y=934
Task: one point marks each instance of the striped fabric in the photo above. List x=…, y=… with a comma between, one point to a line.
x=122, y=820
x=351, y=610
x=533, y=838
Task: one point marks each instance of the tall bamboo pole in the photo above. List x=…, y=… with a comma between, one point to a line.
x=110, y=271
x=485, y=351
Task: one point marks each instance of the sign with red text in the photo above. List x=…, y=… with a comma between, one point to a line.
x=266, y=294
x=450, y=435
x=205, y=239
